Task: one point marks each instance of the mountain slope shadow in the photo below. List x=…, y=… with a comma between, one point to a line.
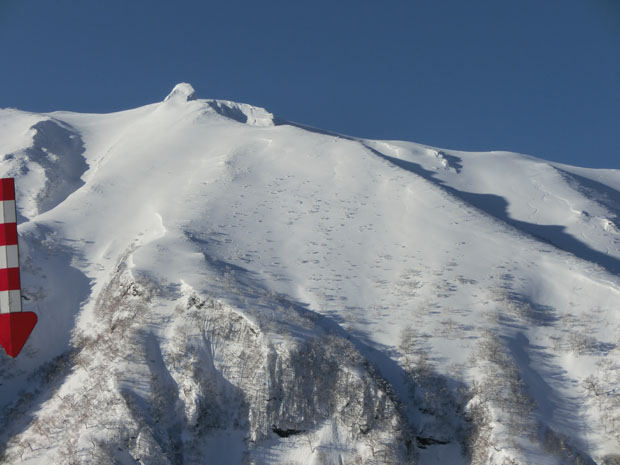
x=497, y=207
x=601, y=193
x=59, y=150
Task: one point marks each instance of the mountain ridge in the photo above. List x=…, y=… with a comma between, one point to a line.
x=217, y=285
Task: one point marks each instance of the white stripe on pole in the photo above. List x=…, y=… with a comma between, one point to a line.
x=9, y=256
x=10, y=301
x=7, y=211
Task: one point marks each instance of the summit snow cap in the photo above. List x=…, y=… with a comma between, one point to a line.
x=182, y=92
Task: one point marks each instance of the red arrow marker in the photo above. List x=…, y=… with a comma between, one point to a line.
x=15, y=325
x=15, y=328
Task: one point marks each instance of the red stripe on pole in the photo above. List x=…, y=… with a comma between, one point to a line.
x=8, y=234
x=9, y=279
x=7, y=189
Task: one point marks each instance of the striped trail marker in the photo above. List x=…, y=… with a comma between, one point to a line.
x=15, y=325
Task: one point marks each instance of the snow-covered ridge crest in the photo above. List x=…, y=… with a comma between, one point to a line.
x=241, y=112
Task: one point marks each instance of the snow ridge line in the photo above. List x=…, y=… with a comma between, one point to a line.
x=495, y=206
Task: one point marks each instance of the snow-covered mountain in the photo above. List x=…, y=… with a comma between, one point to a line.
x=217, y=286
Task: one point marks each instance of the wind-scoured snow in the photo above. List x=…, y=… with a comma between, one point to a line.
x=216, y=285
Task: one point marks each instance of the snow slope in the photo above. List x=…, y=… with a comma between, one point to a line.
x=215, y=285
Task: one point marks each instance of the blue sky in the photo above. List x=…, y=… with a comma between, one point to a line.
x=540, y=77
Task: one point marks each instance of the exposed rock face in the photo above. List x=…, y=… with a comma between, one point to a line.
x=267, y=384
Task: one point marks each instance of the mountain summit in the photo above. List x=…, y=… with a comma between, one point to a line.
x=183, y=92
x=216, y=285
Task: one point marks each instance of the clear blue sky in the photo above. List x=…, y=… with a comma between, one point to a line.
x=540, y=77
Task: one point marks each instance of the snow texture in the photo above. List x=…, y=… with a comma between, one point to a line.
x=217, y=286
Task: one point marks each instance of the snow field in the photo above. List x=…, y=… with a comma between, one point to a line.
x=214, y=284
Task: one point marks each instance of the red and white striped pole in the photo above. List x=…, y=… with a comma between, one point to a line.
x=15, y=325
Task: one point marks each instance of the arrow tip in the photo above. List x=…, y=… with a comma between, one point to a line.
x=15, y=329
